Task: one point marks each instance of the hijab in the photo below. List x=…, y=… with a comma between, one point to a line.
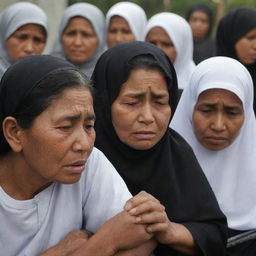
x=168, y=170
x=12, y=18
x=19, y=79
x=232, y=27
x=180, y=33
x=133, y=14
x=230, y=171
x=95, y=16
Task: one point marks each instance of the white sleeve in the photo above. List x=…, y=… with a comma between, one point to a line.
x=105, y=191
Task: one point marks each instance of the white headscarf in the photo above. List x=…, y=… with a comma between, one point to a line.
x=231, y=171
x=12, y=18
x=133, y=14
x=180, y=33
x=95, y=16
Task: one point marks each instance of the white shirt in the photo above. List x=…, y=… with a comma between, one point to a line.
x=30, y=227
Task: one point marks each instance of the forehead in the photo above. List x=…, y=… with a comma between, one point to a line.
x=80, y=22
x=215, y=95
x=199, y=15
x=117, y=20
x=141, y=79
x=158, y=31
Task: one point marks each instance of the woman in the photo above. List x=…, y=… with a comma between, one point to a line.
x=53, y=183
x=136, y=94
x=173, y=35
x=236, y=38
x=81, y=36
x=200, y=19
x=23, y=32
x=126, y=22
x=215, y=115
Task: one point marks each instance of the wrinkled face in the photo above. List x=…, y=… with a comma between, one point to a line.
x=246, y=48
x=141, y=112
x=160, y=38
x=61, y=138
x=119, y=31
x=217, y=118
x=79, y=40
x=27, y=40
x=199, y=23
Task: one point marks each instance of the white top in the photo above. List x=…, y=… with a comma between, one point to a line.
x=180, y=33
x=231, y=171
x=30, y=227
x=133, y=14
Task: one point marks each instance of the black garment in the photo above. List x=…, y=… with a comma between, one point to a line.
x=232, y=27
x=205, y=48
x=169, y=170
x=247, y=248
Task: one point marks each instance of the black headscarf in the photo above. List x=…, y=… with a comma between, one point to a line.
x=169, y=170
x=20, y=79
x=205, y=9
x=232, y=27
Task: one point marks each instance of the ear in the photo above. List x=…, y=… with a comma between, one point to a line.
x=13, y=132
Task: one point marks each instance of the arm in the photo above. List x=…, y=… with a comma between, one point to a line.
x=147, y=210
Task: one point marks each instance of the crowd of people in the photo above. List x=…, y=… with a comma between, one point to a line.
x=133, y=136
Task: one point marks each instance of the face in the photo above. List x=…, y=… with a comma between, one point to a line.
x=79, y=40
x=199, y=23
x=61, y=138
x=141, y=112
x=119, y=31
x=246, y=48
x=160, y=38
x=217, y=118
x=27, y=40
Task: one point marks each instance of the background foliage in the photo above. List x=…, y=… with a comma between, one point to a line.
x=152, y=7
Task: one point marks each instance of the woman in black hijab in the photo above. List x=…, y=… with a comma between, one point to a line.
x=200, y=18
x=236, y=38
x=166, y=168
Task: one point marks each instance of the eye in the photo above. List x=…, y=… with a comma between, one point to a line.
x=65, y=127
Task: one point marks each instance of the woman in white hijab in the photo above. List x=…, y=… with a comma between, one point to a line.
x=81, y=37
x=173, y=35
x=215, y=115
x=23, y=32
x=126, y=22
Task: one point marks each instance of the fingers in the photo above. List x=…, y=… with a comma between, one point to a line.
x=147, y=206
x=139, y=199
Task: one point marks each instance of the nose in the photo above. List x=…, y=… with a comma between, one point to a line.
x=29, y=47
x=146, y=115
x=119, y=37
x=218, y=123
x=78, y=40
x=82, y=142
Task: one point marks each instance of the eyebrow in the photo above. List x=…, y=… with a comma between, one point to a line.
x=76, y=117
x=211, y=105
x=138, y=95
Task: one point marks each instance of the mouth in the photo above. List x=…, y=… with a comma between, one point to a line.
x=216, y=140
x=144, y=135
x=76, y=167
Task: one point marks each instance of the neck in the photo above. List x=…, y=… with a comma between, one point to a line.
x=17, y=179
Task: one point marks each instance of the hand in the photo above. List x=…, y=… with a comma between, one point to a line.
x=69, y=244
x=149, y=211
x=123, y=233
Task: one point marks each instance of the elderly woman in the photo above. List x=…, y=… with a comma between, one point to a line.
x=53, y=183
x=236, y=38
x=81, y=37
x=23, y=32
x=172, y=33
x=215, y=115
x=136, y=94
x=126, y=22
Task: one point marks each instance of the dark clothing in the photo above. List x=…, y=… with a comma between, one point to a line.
x=232, y=27
x=169, y=170
x=204, y=49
